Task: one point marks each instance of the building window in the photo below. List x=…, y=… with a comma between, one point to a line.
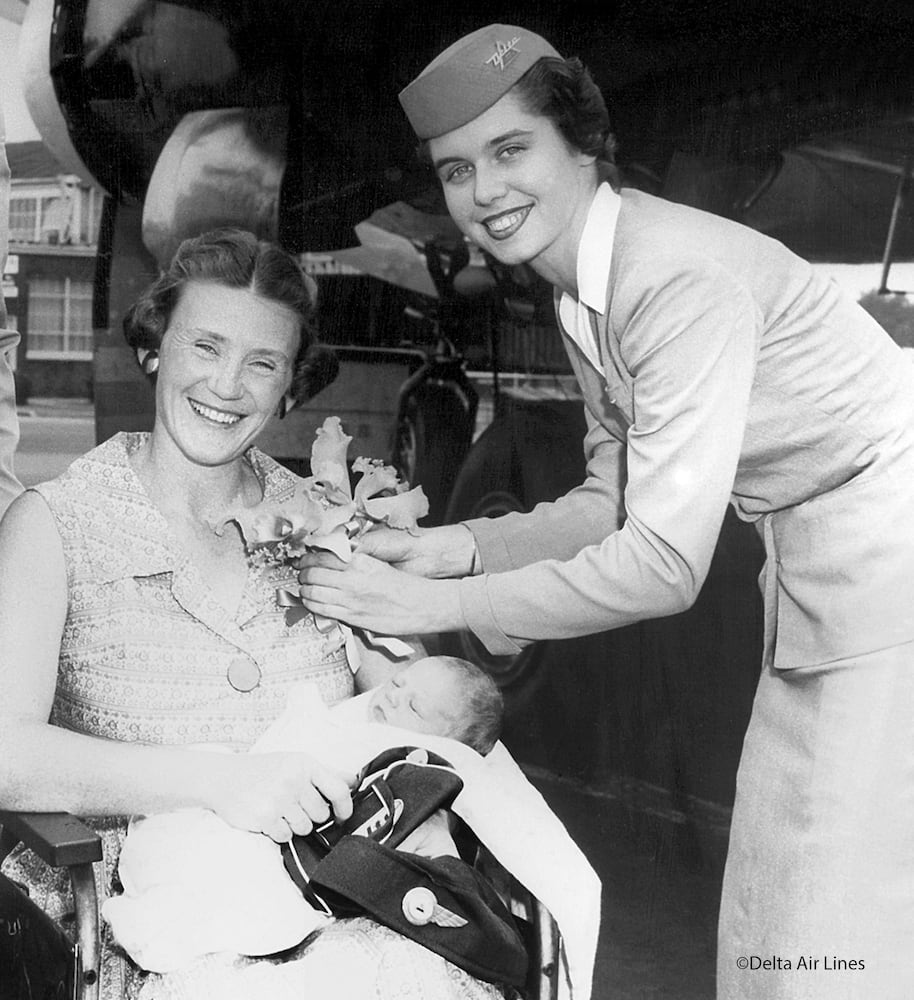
x=60, y=319
x=56, y=213
x=89, y=213
x=26, y=218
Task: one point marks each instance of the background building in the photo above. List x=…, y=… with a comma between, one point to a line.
x=54, y=220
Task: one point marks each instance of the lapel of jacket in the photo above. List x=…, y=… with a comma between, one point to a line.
x=596, y=391
x=619, y=383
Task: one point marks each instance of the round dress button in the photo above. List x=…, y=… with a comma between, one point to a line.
x=243, y=674
x=419, y=906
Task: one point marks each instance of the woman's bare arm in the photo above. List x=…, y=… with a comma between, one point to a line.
x=46, y=768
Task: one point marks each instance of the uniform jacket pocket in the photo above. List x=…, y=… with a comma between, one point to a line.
x=839, y=577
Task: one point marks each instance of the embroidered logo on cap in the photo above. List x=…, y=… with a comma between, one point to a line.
x=505, y=54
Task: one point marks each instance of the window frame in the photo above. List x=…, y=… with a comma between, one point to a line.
x=56, y=354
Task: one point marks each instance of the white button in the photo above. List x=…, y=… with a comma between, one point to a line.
x=419, y=906
x=243, y=674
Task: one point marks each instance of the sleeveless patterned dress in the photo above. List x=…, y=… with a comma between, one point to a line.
x=145, y=657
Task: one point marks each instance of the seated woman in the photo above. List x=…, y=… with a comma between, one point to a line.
x=130, y=629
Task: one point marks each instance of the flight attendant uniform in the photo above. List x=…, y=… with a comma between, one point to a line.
x=717, y=367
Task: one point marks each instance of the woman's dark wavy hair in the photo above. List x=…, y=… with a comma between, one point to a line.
x=236, y=259
x=563, y=91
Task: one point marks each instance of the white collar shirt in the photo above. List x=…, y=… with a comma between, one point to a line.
x=593, y=264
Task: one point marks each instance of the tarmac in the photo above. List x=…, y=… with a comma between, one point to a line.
x=658, y=930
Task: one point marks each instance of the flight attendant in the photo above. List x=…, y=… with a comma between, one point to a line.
x=716, y=367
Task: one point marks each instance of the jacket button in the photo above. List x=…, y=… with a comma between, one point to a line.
x=419, y=906
x=243, y=674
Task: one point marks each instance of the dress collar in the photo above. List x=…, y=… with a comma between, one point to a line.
x=596, y=248
x=132, y=537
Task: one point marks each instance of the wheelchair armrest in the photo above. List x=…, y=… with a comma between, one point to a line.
x=63, y=841
x=59, y=839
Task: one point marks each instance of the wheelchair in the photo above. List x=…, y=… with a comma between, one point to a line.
x=64, y=841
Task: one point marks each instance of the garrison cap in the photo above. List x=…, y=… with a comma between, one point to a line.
x=469, y=77
x=442, y=903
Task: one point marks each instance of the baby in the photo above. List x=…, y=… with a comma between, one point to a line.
x=194, y=885
x=441, y=696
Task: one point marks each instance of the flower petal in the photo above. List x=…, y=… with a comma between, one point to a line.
x=336, y=541
x=335, y=517
x=275, y=522
x=328, y=455
x=376, y=478
x=400, y=511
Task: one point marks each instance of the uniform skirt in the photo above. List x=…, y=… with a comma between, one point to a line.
x=818, y=898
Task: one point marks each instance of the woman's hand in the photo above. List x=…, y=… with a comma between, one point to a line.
x=367, y=593
x=278, y=794
x=433, y=552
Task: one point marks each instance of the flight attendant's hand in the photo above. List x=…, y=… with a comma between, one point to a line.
x=369, y=593
x=433, y=552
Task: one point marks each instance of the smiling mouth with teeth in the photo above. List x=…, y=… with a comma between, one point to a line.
x=216, y=416
x=506, y=224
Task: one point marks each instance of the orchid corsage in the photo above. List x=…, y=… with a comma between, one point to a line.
x=326, y=513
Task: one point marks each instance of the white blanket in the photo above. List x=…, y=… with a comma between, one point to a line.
x=194, y=885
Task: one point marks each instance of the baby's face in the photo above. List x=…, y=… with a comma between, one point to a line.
x=423, y=697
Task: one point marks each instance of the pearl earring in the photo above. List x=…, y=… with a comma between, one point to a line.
x=149, y=360
x=151, y=363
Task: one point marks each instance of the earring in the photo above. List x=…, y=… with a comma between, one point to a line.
x=285, y=405
x=149, y=360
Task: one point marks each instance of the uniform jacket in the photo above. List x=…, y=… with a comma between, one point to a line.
x=731, y=372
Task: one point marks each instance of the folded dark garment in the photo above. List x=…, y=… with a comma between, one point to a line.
x=442, y=903
x=353, y=868
x=398, y=791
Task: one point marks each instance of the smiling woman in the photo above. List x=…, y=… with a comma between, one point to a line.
x=225, y=364
x=224, y=334
x=231, y=260
x=154, y=633
x=716, y=367
x=514, y=186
